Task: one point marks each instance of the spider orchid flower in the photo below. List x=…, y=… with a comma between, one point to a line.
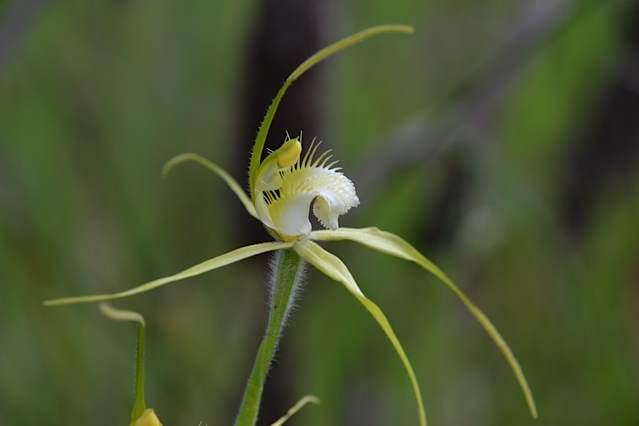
x=287, y=185
x=283, y=187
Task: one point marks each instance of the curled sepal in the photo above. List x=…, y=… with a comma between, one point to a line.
x=139, y=404
x=308, y=399
x=208, y=265
x=260, y=139
x=392, y=244
x=223, y=174
x=148, y=418
x=334, y=268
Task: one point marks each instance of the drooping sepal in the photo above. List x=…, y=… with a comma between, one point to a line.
x=394, y=245
x=335, y=269
x=201, y=268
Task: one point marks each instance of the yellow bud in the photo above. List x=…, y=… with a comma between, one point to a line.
x=148, y=418
x=289, y=153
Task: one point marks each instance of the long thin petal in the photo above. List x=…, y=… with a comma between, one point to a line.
x=232, y=183
x=208, y=265
x=334, y=268
x=388, y=243
x=308, y=399
x=260, y=139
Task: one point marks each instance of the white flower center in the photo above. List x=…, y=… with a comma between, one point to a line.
x=286, y=187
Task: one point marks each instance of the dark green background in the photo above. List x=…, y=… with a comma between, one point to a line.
x=97, y=95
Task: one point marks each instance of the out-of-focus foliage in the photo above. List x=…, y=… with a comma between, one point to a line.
x=97, y=95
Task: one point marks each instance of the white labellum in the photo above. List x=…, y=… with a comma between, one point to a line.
x=285, y=206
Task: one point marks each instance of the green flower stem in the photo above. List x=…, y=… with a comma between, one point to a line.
x=287, y=274
x=139, y=405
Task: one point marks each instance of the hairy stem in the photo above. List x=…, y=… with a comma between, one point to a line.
x=287, y=273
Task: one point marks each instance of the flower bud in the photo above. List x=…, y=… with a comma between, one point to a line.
x=148, y=418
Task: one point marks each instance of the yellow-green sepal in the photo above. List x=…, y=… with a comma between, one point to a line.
x=260, y=139
x=206, y=266
x=334, y=268
x=394, y=245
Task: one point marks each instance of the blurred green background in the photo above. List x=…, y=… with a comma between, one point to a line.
x=502, y=140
